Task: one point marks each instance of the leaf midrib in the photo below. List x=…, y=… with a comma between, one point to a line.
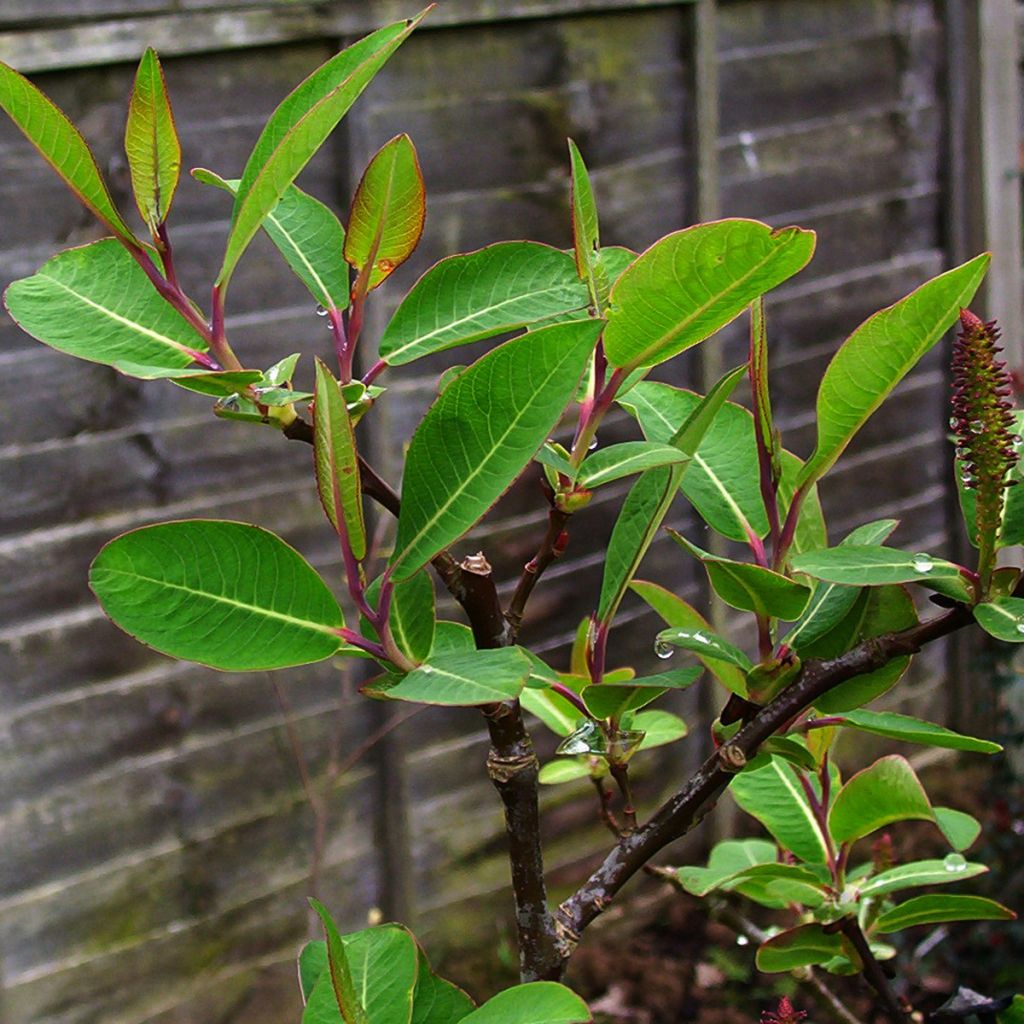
x=260, y=610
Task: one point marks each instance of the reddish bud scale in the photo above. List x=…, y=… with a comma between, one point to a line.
x=982, y=418
x=785, y=1013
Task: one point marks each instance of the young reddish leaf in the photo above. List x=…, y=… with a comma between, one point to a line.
x=298, y=128
x=585, y=233
x=336, y=461
x=57, y=139
x=340, y=973
x=151, y=143
x=388, y=210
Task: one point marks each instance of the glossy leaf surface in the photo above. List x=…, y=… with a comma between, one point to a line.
x=728, y=859
x=885, y=792
x=338, y=981
x=336, y=462
x=920, y=872
x=625, y=459
x=435, y=1000
x=610, y=700
x=95, y=302
x=463, y=679
x=691, y=283
x=940, y=907
x=537, y=1002
x=61, y=145
x=879, y=354
x=481, y=432
x=914, y=730
x=803, y=946
x=225, y=594
x=959, y=828
x=151, y=143
x=477, y=295
x=707, y=644
x=307, y=234
x=1003, y=618
x=298, y=128
x=388, y=209
x=864, y=565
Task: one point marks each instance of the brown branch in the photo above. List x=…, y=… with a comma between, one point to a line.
x=551, y=547
x=682, y=811
x=873, y=970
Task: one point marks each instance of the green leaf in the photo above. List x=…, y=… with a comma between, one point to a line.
x=537, y=1002
x=728, y=858
x=1014, y=1013
x=914, y=730
x=778, y=885
x=552, y=709
x=435, y=1000
x=611, y=701
x=565, y=769
x=480, y=433
x=337, y=463
x=463, y=679
x=707, y=644
x=1012, y=530
x=882, y=793
x=865, y=565
x=61, y=145
x=225, y=594
x=831, y=602
x=388, y=210
x=691, y=283
x=880, y=353
x=748, y=587
x=477, y=295
x=811, y=532
x=298, y=128
x=659, y=728
x=648, y=502
x=339, y=972
x=312, y=963
x=774, y=796
x=307, y=234
x=1003, y=618
x=585, y=233
x=674, y=611
x=151, y=143
x=959, y=828
x=624, y=459
x=921, y=872
x=940, y=907
x=219, y=383
x=804, y=946
x=451, y=638
x=412, y=619
x=96, y=303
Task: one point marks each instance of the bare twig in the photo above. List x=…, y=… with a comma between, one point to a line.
x=873, y=971
x=551, y=547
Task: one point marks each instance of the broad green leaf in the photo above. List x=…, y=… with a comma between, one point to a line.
x=477, y=295
x=552, y=709
x=1003, y=618
x=435, y=1000
x=648, y=502
x=774, y=796
x=748, y=587
x=412, y=619
x=705, y=643
x=914, y=730
x=565, y=769
x=537, y=1002
x=388, y=208
x=921, y=872
x=940, y=907
x=452, y=637
x=878, y=610
x=298, y=128
x=151, y=143
x=96, y=303
x=611, y=701
x=866, y=565
x=337, y=462
x=1014, y=1013
x=804, y=946
x=691, y=283
x=882, y=793
x=585, y=233
x=481, y=432
x=674, y=611
x=778, y=885
x=880, y=353
x=658, y=727
x=463, y=679
x=728, y=858
x=339, y=973
x=225, y=594
x=61, y=145
x=959, y=828
x=219, y=383
x=307, y=234
x=831, y=602
x=619, y=460
x=312, y=963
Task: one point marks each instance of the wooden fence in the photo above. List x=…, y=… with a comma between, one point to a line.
x=156, y=840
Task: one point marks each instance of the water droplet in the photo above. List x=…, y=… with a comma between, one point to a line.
x=976, y=426
x=1015, y=439
x=592, y=445
x=663, y=650
x=1020, y=627
x=321, y=311
x=742, y=940
x=962, y=452
x=923, y=563
x=427, y=670
x=955, y=863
